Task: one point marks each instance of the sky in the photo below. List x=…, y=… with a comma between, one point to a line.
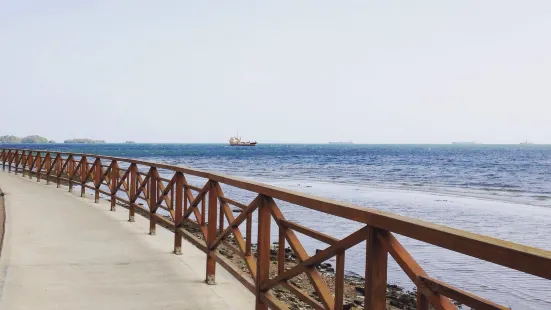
x=279, y=71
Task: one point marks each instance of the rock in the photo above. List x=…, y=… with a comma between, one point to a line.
x=359, y=300
x=394, y=287
x=236, y=210
x=347, y=306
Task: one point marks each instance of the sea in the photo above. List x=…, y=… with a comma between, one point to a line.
x=503, y=191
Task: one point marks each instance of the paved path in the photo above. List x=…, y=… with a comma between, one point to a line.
x=66, y=252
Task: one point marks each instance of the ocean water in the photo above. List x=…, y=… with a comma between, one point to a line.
x=500, y=191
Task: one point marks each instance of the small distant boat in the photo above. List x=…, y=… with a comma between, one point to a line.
x=526, y=142
x=236, y=141
x=342, y=142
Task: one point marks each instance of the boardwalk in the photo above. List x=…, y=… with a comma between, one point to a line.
x=64, y=252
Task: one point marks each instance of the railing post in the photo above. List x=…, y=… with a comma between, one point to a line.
x=59, y=163
x=211, y=232
x=133, y=189
x=83, y=175
x=16, y=160
x=38, y=166
x=375, y=272
x=339, y=281
x=10, y=160
x=71, y=172
x=114, y=177
x=97, y=178
x=21, y=161
x=263, y=250
x=152, y=200
x=48, y=165
x=422, y=301
x=30, y=165
x=179, y=195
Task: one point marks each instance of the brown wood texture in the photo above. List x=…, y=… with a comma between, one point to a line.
x=211, y=230
x=459, y=295
x=375, y=271
x=263, y=252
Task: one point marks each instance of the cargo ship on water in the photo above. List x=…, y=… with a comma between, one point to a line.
x=236, y=141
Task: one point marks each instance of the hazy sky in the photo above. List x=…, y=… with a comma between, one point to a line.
x=281, y=71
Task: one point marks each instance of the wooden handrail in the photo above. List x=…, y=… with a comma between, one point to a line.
x=459, y=295
x=378, y=232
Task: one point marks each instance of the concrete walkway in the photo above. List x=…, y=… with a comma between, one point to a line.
x=66, y=252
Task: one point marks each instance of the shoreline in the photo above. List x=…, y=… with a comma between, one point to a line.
x=435, y=190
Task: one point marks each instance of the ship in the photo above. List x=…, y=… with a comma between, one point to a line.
x=236, y=141
x=526, y=142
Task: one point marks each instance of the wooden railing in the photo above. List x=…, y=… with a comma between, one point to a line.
x=208, y=209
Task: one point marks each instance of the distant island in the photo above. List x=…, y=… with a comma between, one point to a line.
x=36, y=139
x=33, y=139
x=84, y=141
x=10, y=139
x=465, y=143
x=129, y=142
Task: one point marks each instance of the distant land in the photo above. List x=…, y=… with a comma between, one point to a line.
x=84, y=141
x=465, y=142
x=28, y=139
x=36, y=139
x=129, y=142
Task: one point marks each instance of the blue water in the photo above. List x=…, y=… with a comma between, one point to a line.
x=501, y=191
x=514, y=173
